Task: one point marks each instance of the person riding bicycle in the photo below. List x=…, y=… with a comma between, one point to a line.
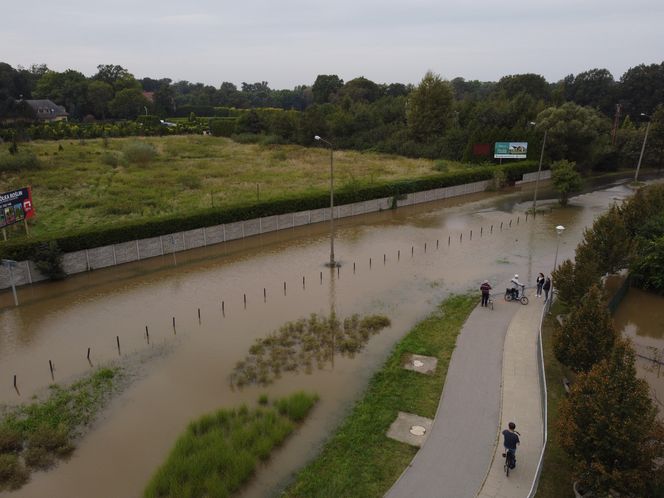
x=516, y=285
x=511, y=441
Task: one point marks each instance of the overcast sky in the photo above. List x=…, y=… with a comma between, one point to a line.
x=290, y=42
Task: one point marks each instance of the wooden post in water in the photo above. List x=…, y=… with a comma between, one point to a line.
x=117, y=339
x=199, y=315
x=88, y=354
x=517, y=219
x=461, y=237
x=481, y=231
x=369, y=263
x=147, y=334
x=471, y=235
x=264, y=295
x=501, y=226
x=436, y=243
x=491, y=229
x=510, y=222
x=412, y=250
x=50, y=365
x=245, y=301
x=338, y=271
x=15, y=382
x=303, y=284
x=284, y=287
x=449, y=239
x=321, y=277
x=399, y=255
x=425, y=247
x=384, y=258
x=353, y=267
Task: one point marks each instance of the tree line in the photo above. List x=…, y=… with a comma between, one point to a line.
x=590, y=118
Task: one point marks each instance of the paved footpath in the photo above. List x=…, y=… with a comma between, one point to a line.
x=495, y=349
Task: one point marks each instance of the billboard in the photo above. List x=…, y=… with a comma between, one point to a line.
x=510, y=150
x=16, y=206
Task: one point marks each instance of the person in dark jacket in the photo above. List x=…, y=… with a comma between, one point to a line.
x=486, y=289
x=540, y=283
x=547, y=287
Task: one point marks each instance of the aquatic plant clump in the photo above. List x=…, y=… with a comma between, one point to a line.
x=34, y=436
x=220, y=451
x=298, y=345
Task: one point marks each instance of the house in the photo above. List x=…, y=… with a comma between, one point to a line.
x=45, y=110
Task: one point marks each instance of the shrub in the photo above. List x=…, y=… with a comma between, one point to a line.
x=18, y=162
x=48, y=260
x=297, y=406
x=222, y=127
x=139, y=152
x=10, y=440
x=110, y=159
x=54, y=440
x=13, y=473
x=566, y=180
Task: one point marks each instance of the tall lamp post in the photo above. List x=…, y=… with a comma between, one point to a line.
x=332, y=263
x=539, y=169
x=559, y=231
x=643, y=147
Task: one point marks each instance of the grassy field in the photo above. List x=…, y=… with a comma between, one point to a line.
x=555, y=481
x=220, y=451
x=360, y=460
x=96, y=182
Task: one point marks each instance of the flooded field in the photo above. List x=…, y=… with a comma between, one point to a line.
x=396, y=263
x=640, y=317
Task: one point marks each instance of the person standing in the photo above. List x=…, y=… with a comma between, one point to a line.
x=486, y=289
x=540, y=284
x=547, y=287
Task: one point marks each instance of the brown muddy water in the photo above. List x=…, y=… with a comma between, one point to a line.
x=640, y=316
x=394, y=275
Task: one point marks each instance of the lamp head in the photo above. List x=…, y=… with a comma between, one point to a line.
x=316, y=137
x=560, y=229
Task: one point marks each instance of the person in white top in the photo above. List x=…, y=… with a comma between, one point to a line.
x=516, y=284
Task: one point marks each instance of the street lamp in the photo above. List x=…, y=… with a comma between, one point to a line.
x=559, y=231
x=539, y=169
x=643, y=147
x=10, y=263
x=332, y=263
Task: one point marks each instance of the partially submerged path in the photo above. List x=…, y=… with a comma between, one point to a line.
x=492, y=380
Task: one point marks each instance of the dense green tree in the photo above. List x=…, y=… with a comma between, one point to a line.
x=100, y=94
x=68, y=89
x=164, y=100
x=566, y=180
x=258, y=94
x=609, y=427
x=575, y=133
x=129, y=104
x=609, y=241
x=360, y=89
x=642, y=88
x=429, y=108
x=648, y=266
x=587, y=334
x=530, y=84
x=116, y=76
x=654, y=152
x=595, y=88
x=325, y=86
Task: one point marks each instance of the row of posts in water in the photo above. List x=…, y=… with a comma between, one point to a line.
x=223, y=303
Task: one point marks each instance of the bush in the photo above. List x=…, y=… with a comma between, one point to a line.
x=110, y=159
x=10, y=440
x=13, y=473
x=222, y=127
x=18, y=162
x=48, y=260
x=139, y=152
x=297, y=406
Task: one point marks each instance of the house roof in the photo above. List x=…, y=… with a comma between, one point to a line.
x=45, y=108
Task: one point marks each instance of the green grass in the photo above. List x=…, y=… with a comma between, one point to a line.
x=220, y=451
x=39, y=433
x=555, y=481
x=76, y=185
x=359, y=460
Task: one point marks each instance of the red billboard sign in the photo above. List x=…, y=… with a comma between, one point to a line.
x=16, y=206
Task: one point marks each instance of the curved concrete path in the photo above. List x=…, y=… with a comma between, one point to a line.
x=492, y=367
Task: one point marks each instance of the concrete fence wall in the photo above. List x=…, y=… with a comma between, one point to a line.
x=25, y=272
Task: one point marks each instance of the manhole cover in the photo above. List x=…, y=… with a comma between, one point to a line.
x=417, y=430
x=418, y=363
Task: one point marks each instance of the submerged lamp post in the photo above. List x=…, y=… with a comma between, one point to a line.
x=10, y=263
x=643, y=147
x=332, y=262
x=539, y=169
x=559, y=231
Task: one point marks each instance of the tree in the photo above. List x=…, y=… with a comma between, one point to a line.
x=360, y=89
x=164, y=100
x=595, y=88
x=68, y=89
x=648, y=266
x=100, y=94
x=116, y=76
x=575, y=133
x=654, y=153
x=609, y=241
x=642, y=88
x=587, y=335
x=530, y=84
x=325, y=86
x=429, y=108
x=609, y=426
x=566, y=180
x=128, y=103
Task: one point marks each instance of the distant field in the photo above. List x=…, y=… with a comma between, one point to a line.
x=89, y=183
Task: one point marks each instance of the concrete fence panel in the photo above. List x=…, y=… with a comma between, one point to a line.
x=75, y=262
x=101, y=257
x=125, y=252
x=269, y=224
x=214, y=234
x=149, y=248
x=318, y=215
x=285, y=221
x=234, y=231
x=252, y=227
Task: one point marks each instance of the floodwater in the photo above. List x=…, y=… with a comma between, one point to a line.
x=640, y=316
x=403, y=263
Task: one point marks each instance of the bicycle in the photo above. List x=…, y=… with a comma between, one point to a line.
x=511, y=295
x=510, y=461
x=489, y=303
